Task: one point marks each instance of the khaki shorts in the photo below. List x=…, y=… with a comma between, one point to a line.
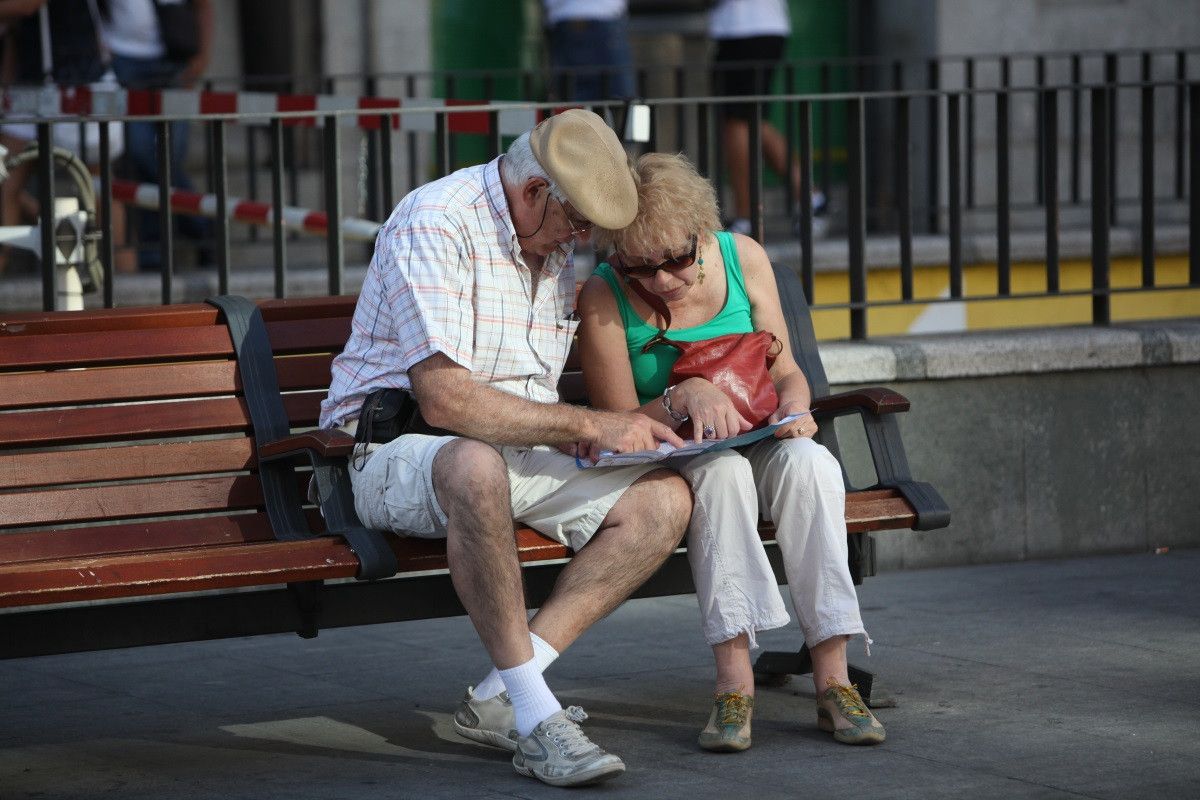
x=394, y=490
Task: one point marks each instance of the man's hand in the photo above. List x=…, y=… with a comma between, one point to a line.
x=626, y=432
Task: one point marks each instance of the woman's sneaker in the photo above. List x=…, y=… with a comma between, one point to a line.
x=728, y=729
x=842, y=712
x=491, y=722
x=559, y=753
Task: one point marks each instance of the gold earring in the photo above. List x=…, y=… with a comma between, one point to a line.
x=700, y=261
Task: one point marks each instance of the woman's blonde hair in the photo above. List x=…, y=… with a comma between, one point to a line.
x=672, y=196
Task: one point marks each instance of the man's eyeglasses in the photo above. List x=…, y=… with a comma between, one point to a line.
x=650, y=270
x=578, y=225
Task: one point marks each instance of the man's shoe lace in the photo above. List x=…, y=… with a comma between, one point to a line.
x=566, y=733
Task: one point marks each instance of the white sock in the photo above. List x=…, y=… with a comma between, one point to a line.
x=531, y=697
x=491, y=686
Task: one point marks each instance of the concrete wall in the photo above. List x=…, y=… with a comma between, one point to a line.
x=1045, y=443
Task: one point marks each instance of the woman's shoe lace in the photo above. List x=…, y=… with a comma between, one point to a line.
x=850, y=702
x=734, y=708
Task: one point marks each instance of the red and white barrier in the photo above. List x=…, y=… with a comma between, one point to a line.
x=105, y=100
x=146, y=195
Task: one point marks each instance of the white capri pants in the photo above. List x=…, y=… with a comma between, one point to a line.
x=797, y=483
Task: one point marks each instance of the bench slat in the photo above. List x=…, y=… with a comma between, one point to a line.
x=133, y=537
x=68, y=350
x=171, y=459
x=117, y=501
x=144, y=420
x=307, y=335
x=155, y=382
x=170, y=571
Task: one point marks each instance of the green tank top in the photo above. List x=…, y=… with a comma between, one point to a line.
x=651, y=370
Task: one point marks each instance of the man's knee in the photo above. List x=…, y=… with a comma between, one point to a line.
x=468, y=473
x=662, y=502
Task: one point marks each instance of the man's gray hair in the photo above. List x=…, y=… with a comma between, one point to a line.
x=519, y=165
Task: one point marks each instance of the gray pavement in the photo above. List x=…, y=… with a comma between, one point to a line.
x=1075, y=678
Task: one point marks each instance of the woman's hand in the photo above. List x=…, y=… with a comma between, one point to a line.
x=805, y=426
x=711, y=410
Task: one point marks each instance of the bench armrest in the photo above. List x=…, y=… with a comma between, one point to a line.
x=875, y=399
x=327, y=443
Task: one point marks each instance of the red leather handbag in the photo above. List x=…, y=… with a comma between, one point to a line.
x=737, y=363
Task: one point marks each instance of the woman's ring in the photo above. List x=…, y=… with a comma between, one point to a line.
x=709, y=431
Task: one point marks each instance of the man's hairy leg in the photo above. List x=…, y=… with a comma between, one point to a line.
x=640, y=531
x=471, y=482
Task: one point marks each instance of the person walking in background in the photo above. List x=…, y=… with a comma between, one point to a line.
x=750, y=36
x=589, y=48
x=159, y=44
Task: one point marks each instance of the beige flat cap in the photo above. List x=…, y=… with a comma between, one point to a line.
x=585, y=159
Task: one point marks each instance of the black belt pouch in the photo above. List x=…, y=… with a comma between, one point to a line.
x=390, y=413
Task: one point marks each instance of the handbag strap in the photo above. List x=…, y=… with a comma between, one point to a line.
x=658, y=306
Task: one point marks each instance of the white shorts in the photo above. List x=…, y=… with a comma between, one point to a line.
x=394, y=490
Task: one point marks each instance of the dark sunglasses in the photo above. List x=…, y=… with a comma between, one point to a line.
x=650, y=270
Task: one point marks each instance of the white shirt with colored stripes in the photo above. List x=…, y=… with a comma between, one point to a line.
x=448, y=277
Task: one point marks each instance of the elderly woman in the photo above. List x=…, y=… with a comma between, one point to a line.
x=715, y=283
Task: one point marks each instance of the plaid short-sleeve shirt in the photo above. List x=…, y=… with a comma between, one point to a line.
x=447, y=277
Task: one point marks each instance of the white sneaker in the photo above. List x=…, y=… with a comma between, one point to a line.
x=491, y=722
x=559, y=753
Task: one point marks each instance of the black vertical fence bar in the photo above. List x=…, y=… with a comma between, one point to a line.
x=451, y=142
x=441, y=138
x=333, y=204
x=1050, y=185
x=493, y=134
x=220, y=189
x=252, y=170
x=969, y=80
x=1003, y=217
x=756, y=170
x=1039, y=64
x=45, y=173
x=209, y=178
x=904, y=194
x=1101, y=311
x=856, y=177
x=680, y=112
x=410, y=137
x=954, y=189
x=386, y=165
x=934, y=154
x=704, y=140
x=1076, y=126
x=1194, y=185
x=825, y=86
x=1146, y=145
x=278, y=240
x=371, y=87
x=1110, y=80
x=106, y=226
x=1180, y=116
x=166, y=232
x=804, y=126
x=789, y=134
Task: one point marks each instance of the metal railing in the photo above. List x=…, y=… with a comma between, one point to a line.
x=1063, y=180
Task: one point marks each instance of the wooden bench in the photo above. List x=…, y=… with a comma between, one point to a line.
x=145, y=499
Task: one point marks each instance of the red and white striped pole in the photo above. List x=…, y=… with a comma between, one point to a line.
x=249, y=212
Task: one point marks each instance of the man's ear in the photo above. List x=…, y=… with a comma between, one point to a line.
x=531, y=189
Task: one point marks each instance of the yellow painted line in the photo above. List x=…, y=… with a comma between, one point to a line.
x=979, y=280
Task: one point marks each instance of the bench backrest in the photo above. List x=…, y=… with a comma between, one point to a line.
x=112, y=421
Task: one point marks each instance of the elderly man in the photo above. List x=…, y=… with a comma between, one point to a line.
x=469, y=305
